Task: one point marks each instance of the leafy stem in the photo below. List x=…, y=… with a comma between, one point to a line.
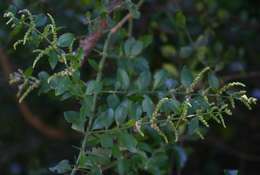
x=159, y=121
x=98, y=79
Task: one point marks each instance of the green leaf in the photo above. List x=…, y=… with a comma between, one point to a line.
x=93, y=87
x=135, y=12
x=116, y=151
x=136, y=97
x=28, y=72
x=186, y=51
x=44, y=86
x=40, y=20
x=113, y=101
x=35, y=39
x=132, y=9
x=171, y=105
x=73, y=117
x=199, y=102
x=43, y=75
x=141, y=65
x=159, y=79
x=157, y=161
x=106, y=141
x=135, y=111
x=121, y=166
x=83, y=160
x=128, y=46
x=186, y=77
x=148, y=106
x=65, y=40
x=86, y=106
x=120, y=114
x=104, y=120
x=80, y=54
x=60, y=85
x=213, y=81
x=123, y=78
x=96, y=170
x=53, y=59
x=132, y=47
x=193, y=126
x=61, y=168
x=180, y=19
x=136, y=48
x=78, y=87
x=144, y=80
x=128, y=141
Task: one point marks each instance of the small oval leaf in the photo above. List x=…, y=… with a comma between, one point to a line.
x=65, y=40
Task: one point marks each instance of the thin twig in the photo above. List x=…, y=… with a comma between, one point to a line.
x=121, y=23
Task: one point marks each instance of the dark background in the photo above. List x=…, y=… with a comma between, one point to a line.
x=233, y=28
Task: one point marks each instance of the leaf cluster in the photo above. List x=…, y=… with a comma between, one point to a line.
x=128, y=118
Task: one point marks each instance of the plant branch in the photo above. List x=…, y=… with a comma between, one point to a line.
x=89, y=42
x=155, y=92
x=98, y=79
x=160, y=121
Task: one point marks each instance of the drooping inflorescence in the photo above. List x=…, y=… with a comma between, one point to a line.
x=52, y=49
x=25, y=83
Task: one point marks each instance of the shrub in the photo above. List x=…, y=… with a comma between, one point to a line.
x=130, y=117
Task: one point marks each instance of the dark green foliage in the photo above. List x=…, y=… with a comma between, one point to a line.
x=130, y=116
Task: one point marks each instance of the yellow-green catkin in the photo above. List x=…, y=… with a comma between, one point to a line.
x=32, y=25
x=222, y=120
x=138, y=125
x=203, y=121
x=53, y=29
x=154, y=119
x=230, y=85
x=200, y=134
x=199, y=77
x=67, y=72
x=46, y=51
x=248, y=101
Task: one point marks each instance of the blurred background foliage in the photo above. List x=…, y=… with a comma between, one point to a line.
x=225, y=35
